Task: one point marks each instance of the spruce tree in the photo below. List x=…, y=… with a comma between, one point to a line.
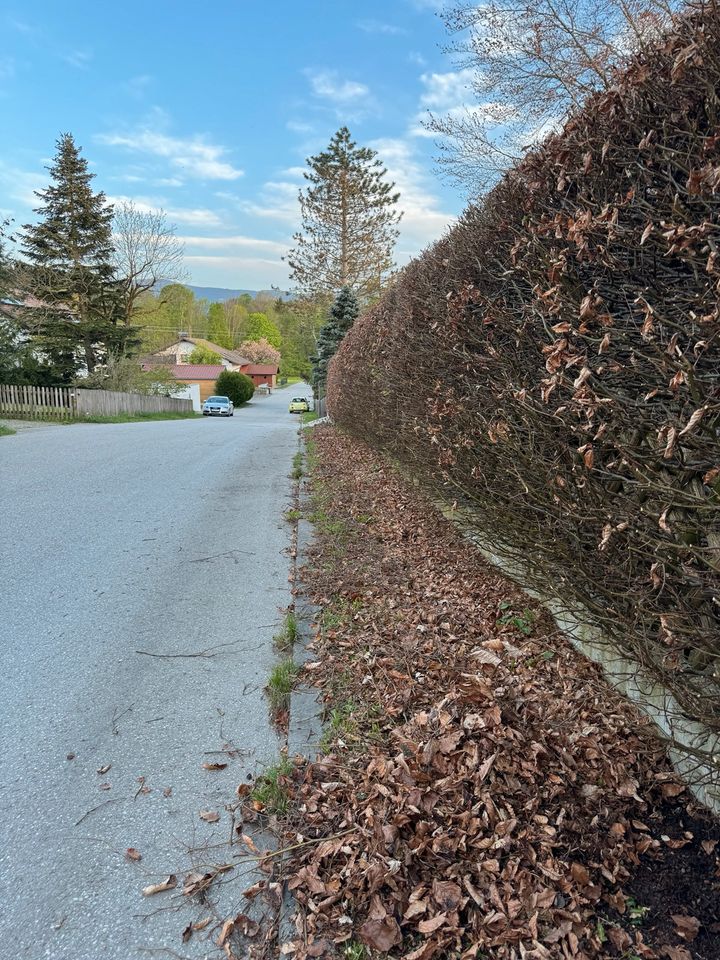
x=342, y=315
x=69, y=253
x=349, y=222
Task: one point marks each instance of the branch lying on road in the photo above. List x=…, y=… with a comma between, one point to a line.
x=93, y=809
x=207, y=652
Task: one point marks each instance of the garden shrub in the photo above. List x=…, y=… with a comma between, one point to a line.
x=236, y=386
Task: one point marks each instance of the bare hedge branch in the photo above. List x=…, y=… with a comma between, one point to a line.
x=553, y=363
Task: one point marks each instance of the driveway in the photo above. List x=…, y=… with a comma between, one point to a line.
x=143, y=568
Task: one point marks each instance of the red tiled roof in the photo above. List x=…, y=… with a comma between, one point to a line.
x=190, y=371
x=260, y=369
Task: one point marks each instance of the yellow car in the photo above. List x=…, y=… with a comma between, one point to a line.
x=299, y=405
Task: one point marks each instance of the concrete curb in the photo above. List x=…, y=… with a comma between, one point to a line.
x=305, y=713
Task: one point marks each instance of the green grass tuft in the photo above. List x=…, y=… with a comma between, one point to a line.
x=281, y=682
x=297, y=470
x=288, y=634
x=356, y=951
x=6, y=431
x=270, y=789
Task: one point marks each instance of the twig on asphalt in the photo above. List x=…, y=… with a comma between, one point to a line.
x=116, y=716
x=216, y=556
x=206, y=653
x=166, y=950
x=93, y=809
x=268, y=854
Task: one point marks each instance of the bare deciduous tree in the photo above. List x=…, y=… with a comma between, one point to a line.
x=533, y=63
x=146, y=251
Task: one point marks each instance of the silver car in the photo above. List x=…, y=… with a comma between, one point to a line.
x=218, y=407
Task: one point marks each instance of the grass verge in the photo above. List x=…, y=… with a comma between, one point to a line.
x=137, y=417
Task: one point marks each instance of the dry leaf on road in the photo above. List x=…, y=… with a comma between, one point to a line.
x=160, y=887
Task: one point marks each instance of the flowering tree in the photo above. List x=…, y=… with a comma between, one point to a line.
x=260, y=351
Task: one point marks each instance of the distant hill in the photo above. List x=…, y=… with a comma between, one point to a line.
x=220, y=294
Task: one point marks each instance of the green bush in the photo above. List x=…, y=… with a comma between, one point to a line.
x=234, y=385
x=203, y=354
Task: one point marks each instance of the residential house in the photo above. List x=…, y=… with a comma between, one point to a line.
x=180, y=351
x=202, y=374
x=175, y=357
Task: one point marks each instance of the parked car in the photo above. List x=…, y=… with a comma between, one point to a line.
x=299, y=405
x=218, y=407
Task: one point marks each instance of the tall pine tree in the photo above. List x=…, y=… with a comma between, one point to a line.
x=349, y=222
x=341, y=317
x=80, y=320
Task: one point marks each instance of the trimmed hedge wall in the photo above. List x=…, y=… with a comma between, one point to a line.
x=553, y=363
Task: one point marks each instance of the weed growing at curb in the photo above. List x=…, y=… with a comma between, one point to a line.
x=270, y=790
x=355, y=951
x=340, y=724
x=6, y=431
x=297, y=470
x=292, y=515
x=288, y=634
x=280, y=685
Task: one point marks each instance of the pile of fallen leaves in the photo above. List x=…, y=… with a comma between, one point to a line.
x=485, y=793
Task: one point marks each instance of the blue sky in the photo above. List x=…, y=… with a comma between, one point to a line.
x=210, y=110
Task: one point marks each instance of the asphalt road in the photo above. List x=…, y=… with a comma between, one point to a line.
x=165, y=537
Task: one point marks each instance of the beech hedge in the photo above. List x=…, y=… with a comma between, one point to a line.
x=552, y=363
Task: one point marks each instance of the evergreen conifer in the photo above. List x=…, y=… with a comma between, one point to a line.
x=341, y=317
x=79, y=321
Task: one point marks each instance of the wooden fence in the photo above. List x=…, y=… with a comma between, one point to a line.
x=68, y=403
x=107, y=403
x=37, y=403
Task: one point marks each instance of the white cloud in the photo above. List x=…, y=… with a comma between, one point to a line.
x=137, y=86
x=328, y=85
x=20, y=185
x=20, y=25
x=443, y=91
x=435, y=5
x=253, y=272
x=449, y=94
x=194, y=156
x=277, y=200
x=378, y=26
x=298, y=126
x=79, y=58
x=423, y=220
x=194, y=217
x=237, y=242
x=7, y=68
